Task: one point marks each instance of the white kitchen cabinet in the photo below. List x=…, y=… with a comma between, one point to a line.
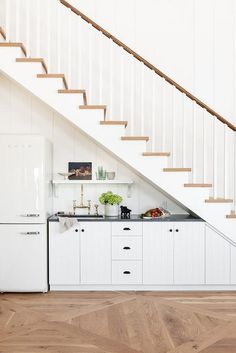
x=189, y=253
x=233, y=264
x=158, y=253
x=95, y=252
x=126, y=272
x=217, y=258
x=64, y=255
x=127, y=248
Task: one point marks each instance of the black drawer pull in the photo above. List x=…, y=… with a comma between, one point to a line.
x=76, y=230
x=82, y=230
x=170, y=230
x=126, y=272
x=177, y=230
x=126, y=228
x=126, y=248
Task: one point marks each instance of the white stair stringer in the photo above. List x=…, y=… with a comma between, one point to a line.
x=110, y=138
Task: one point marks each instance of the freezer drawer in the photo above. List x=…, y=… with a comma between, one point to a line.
x=23, y=258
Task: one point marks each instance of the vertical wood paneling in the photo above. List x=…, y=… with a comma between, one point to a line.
x=20, y=112
x=157, y=253
x=217, y=258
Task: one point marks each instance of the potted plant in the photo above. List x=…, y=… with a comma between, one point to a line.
x=111, y=202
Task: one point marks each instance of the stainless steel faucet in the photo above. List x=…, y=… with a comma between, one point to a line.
x=81, y=205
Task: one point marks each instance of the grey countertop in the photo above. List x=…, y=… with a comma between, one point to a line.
x=137, y=218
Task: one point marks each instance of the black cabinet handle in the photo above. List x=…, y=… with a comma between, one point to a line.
x=170, y=230
x=177, y=230
x=126, y=228
x=82, y=230
x=126, y=248
x=126, y=272
x=76, y=230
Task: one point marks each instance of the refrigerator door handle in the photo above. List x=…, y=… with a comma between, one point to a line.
x=30, y=233
x=30, y=215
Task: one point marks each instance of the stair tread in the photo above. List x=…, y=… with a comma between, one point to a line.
x=135, y=138
x=62, y=76
x=33, y=60
x=93, y=107
x=156, y=154
x=14, y=44
x=231, y=216
x=2, y=32
x=114, y=122
x=79, y=91
x=218, y=200
x=177, y=169
x=193, y=185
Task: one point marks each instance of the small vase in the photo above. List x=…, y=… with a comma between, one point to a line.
x=111, y=210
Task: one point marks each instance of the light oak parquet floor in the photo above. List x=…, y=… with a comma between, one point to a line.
x=118, y=322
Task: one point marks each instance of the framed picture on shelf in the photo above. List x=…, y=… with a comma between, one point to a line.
x=80, y=170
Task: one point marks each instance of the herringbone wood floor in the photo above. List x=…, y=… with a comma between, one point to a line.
x=119, y=322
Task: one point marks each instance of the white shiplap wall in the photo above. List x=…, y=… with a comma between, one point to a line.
x=193, y=41
x=20, y=112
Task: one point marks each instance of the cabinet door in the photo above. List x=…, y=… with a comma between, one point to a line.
x=217, y=258
x=189, y=254
x=157, y=253
x=64, y=254
x=95, y=252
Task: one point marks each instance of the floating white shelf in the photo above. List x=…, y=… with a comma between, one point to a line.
x=127, y=182
x=57, y=183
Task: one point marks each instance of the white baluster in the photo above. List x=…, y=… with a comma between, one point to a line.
x=48, y=9
x=184, y=131
x=69, y=15
x=153, y=111
x=90, y=29
x=132, y=101
x=79, y=52
x=173, y=126
x=164, y=83
x=7, y=19
x=234, y=171
x=27, y=43
x=194, y=141
x=122, y=57
x=17, y=23
x=205, y=146
x=58, y=37
x=225, y=161
x=142, y=97
x=215, y=149
x=38, y=29
x=100, y=67
x=111, y=47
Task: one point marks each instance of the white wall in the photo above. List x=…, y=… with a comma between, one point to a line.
x=193, y=41
x=21, y=112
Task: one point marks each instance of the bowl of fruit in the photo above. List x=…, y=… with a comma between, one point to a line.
x=153, y=213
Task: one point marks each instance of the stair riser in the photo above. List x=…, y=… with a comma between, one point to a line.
x=72, y=99
x=28, y=68
x=8, y=55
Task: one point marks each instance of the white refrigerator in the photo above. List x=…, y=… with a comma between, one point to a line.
x=25, y=203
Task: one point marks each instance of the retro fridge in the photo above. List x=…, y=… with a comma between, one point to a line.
x=25, y=203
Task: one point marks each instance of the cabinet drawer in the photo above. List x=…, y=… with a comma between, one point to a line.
x=127, y=248
x=127, y=228
x=126, y=272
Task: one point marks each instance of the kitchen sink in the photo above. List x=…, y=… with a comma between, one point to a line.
x=80, y=216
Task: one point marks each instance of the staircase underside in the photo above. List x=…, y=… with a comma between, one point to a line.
x=130, y=149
